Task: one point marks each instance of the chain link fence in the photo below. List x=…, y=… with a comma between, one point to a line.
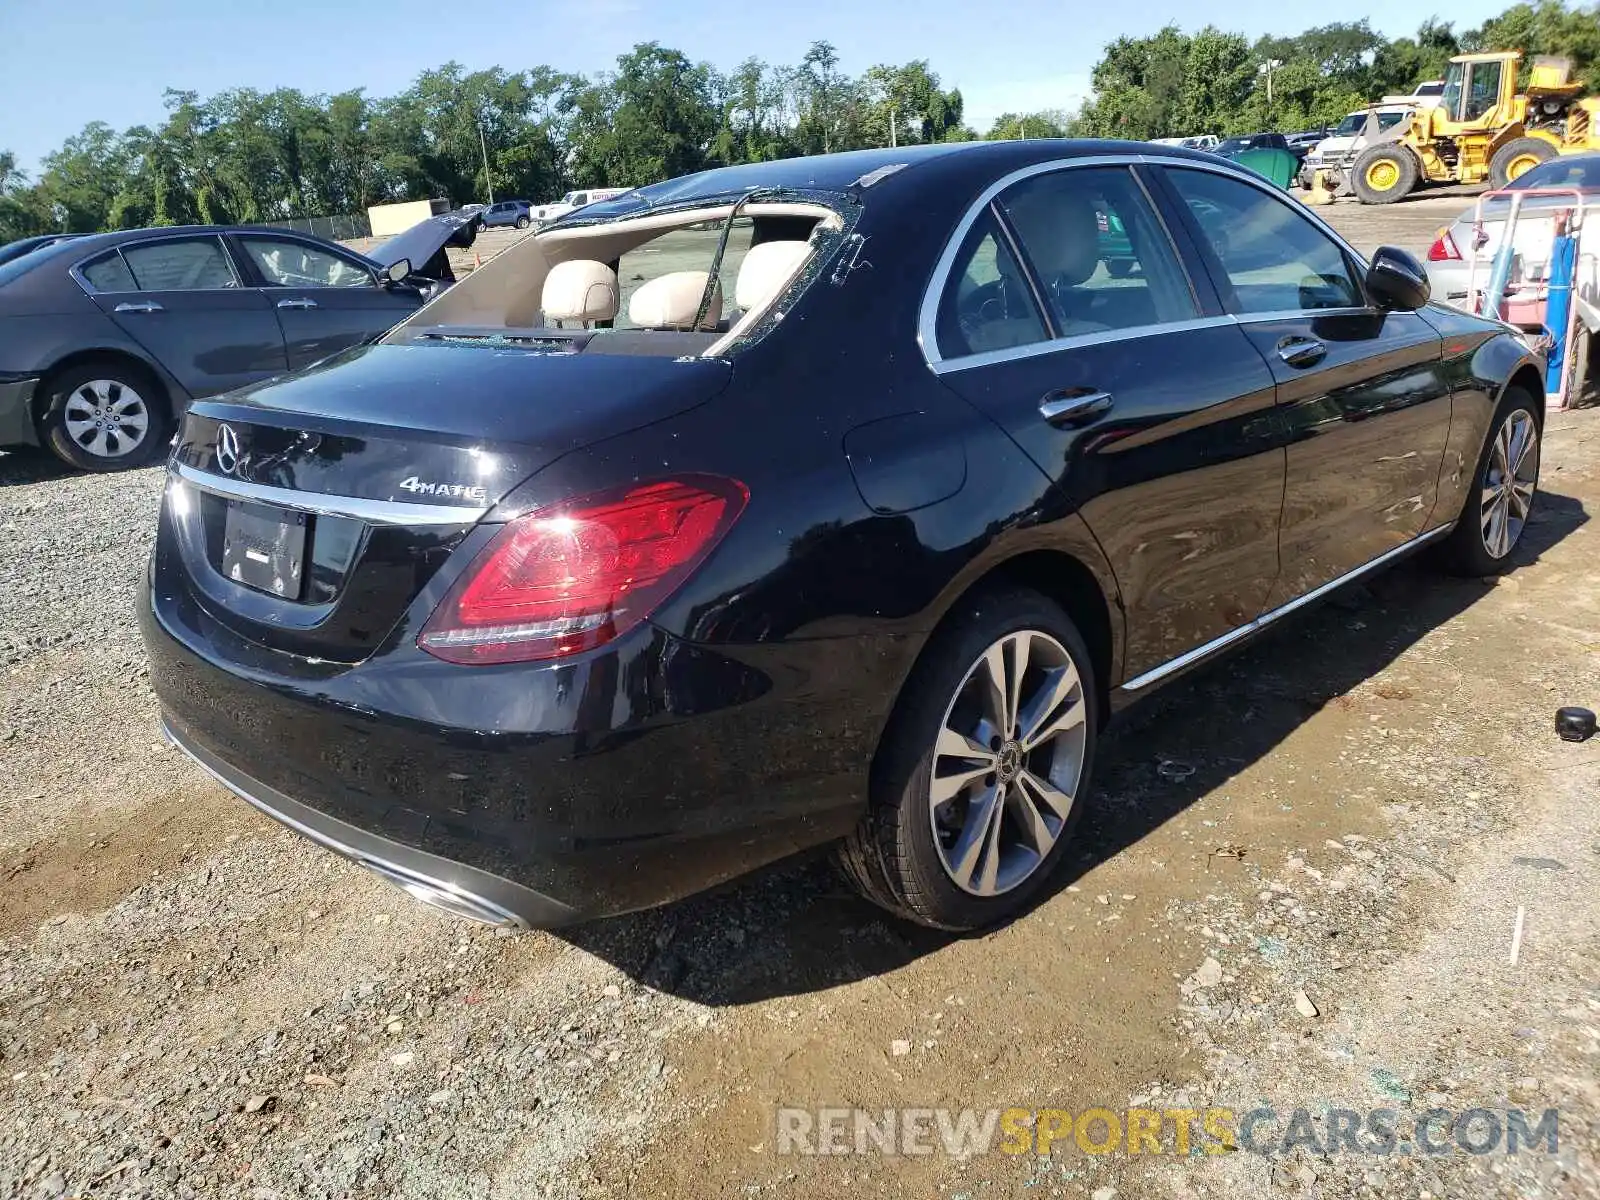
x=335, y=229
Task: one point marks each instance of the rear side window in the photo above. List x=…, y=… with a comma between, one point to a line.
x=109, y=274
x=1271, y=256
x=987, y=303
x=180, y=266
x=1098, y=251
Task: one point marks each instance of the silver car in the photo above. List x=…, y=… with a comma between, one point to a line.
x=1450, y=258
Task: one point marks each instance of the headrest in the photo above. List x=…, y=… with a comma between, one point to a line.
x=1059, y=230
x=670, y=302
x=764, y=271
x=579, y=290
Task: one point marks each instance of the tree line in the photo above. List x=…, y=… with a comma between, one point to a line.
x=1175, y=84
x=245, y=155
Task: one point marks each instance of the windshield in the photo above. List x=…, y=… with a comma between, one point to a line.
x=1238, y=143
x=1581, y=171
x=1351, y=125
x=1453, y=79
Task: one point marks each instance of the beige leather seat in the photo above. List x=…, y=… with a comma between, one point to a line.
x=1059, y=229
x=580, y=291
x=765, y=271
x=671, y=301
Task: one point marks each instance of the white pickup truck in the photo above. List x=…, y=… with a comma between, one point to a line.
x=543, y=214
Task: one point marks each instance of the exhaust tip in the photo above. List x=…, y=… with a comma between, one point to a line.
x=445, y=897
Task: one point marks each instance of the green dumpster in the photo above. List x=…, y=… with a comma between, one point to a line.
x=1280, y=166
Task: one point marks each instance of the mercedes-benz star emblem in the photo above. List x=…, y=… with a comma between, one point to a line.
x=227, y=450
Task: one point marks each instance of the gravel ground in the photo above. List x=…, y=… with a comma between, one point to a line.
x=194, y=1002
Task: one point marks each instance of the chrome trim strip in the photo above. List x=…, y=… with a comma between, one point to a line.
x=1011, y=353
x=377, y=512
x=492, y=914
x=1233, y=635
x=1305, y=314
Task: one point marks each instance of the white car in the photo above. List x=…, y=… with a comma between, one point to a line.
x=572, y=201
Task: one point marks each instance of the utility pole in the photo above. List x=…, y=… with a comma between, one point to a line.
x=1267, y=68
x=893, y=142
x=484, y=146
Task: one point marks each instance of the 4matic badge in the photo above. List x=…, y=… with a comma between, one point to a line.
x=448, y=491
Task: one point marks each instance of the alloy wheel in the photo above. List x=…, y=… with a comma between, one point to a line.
x=1509, y=480
x=1008, y=762
x=106, y=418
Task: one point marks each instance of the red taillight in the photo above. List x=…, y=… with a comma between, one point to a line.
x=1443, y=248
x=567, y=579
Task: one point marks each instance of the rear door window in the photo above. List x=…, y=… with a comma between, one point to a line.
x=1098, y=250
x=199, y=264
x=186, y=265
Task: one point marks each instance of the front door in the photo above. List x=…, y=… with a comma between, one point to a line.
x=324, y=301
x=181, y=299
x=1362, y=392
x=1069, y=318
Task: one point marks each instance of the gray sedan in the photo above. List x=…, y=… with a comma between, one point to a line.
x=105, y=339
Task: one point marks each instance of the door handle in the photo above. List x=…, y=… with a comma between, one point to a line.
x=1074, y=406
x=143, y=306
x=302, y=303
x=1301, y=351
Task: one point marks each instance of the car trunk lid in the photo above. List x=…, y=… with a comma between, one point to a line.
x=311, y=511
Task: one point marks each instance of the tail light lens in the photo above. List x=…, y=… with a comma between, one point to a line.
x=1443, y=248
x=563, y=580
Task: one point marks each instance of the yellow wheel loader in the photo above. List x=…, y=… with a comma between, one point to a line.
x=1482, y=129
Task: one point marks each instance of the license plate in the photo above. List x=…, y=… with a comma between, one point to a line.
x=264, y=548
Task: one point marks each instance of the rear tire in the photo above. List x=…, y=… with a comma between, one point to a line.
x=106, y=414
x=523, y=222
x=1502, y=493
x=1516, y=158
x=1385, y=174
x=979, y=849
x=1582, y=346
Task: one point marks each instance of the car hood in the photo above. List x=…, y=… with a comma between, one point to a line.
x=424, y=239
x=1334, y=145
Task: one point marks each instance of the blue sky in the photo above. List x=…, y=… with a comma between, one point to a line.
x=66, y=66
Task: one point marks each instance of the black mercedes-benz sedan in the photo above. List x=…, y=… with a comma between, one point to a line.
x=836, y=500
x=106, y=338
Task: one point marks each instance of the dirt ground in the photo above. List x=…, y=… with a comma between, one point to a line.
x=1299, y=886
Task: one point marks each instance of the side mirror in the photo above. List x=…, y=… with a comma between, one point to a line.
x=1396, y=281
x=396, y=272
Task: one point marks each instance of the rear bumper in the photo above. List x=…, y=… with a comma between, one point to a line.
x=16, y=411
x=534, y=795
x=439, y=882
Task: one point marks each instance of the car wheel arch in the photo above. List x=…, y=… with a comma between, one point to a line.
x=1530, y=379
x=168, y=393
x=1085, y=594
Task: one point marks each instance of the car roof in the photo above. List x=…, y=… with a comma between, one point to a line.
x=89, y=244
x=836, y=173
